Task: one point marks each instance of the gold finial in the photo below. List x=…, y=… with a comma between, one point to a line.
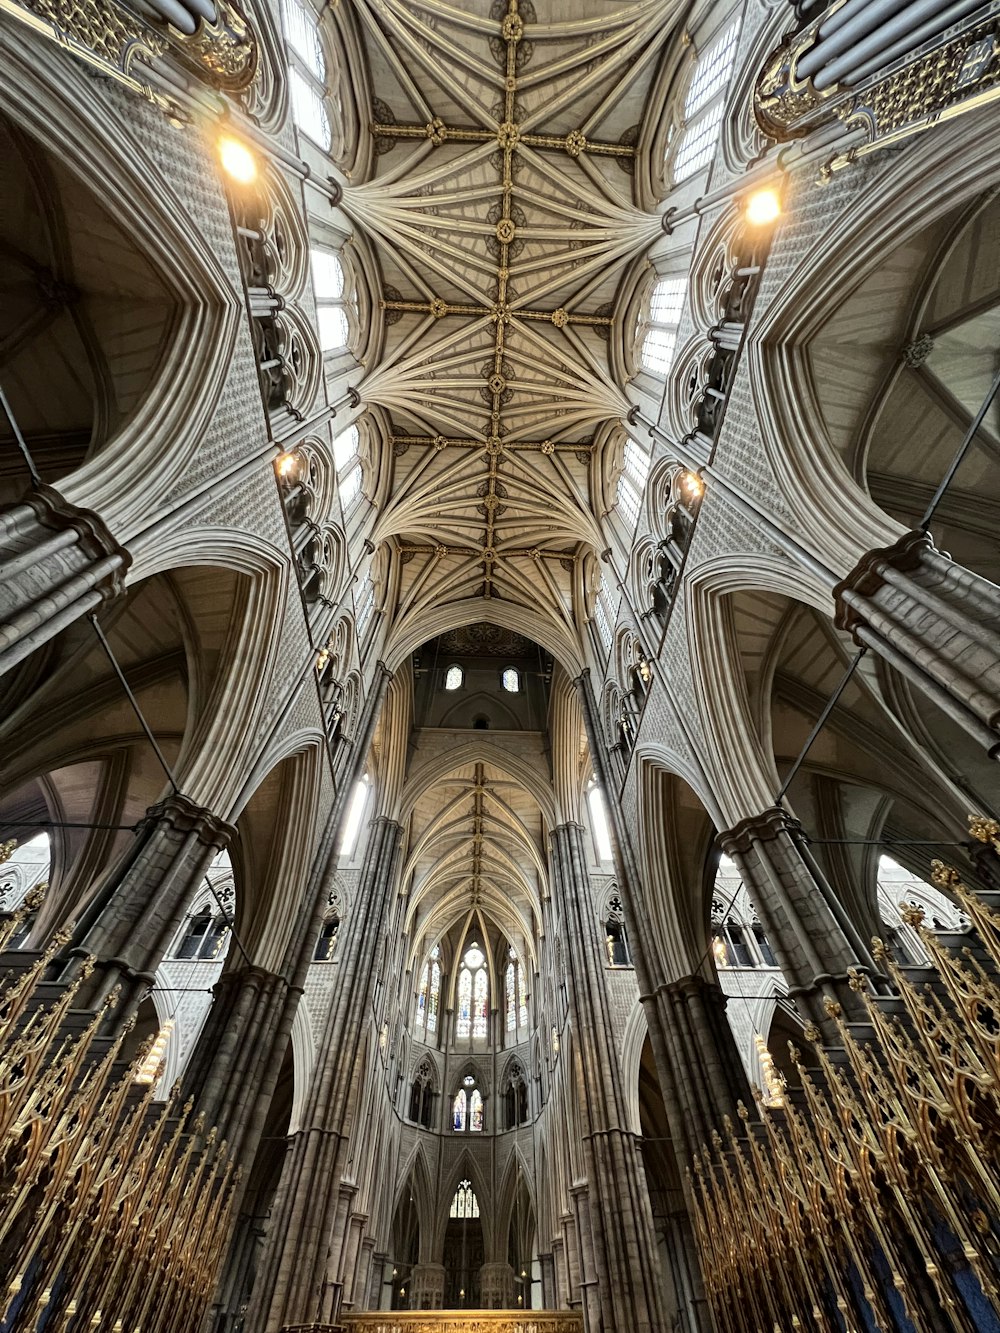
x=944, y=876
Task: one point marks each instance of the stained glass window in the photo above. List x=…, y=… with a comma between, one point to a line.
x=460, y=1111
x=429, y=995
x=511, y=680
x=473, y=995
x=434, y=998
x=463, y=1024
x=453, y=678
x=516, y=993
x=464, y=1205
x=480, y=1003
x=476, y=1110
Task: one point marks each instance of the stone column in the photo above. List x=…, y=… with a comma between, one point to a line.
x=309, y=1220
x=235, y=1064
x=698, y=1065
x=140, y=906
x=936, y=622
x=547, y=1263
x=697, y=1061
x=496, y=1287
x=427, y=1287
x=57, y=562
x=809, y=930
x=618, y=1218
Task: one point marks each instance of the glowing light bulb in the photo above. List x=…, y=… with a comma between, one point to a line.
x=237, y=160
x=763, y=207
x=149, y=1071
x=693, y=484
x=286, y=463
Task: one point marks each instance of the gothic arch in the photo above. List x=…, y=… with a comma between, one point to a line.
x=79, y=130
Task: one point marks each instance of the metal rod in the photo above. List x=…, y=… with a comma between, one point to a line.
x=36, y=478
x=230, y=922
x=133, y=701
x=821, y=722
x=64, y=823
x=963, y=449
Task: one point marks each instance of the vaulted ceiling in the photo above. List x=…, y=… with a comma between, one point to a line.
x=501, y=209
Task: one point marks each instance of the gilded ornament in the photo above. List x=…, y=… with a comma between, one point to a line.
x=505, y=231
x=508, y=134
x=560, y=318
x=513, y=28
x=438, y=308
x=576, y=143
x=548, y=447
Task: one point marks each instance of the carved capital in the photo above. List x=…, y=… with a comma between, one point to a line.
x=53, y=511
x=868, y=575
x=765, y=827
x=184, y=816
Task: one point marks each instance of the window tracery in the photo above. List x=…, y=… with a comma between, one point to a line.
x=326, y=944
x=516, y=994
x=307, y=72
x=604, y=612
x=738, y=938
x=705, y=105
x=467, y=1108
x=515, y=1097
x=473, y=995
x=632, y=482
x=656, y=331
x=347, y=460
x=422, y=1095
x=429, y=994
x=464, y=1206
x=334, y=303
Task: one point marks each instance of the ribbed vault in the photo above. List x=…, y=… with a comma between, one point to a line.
x=501, y=208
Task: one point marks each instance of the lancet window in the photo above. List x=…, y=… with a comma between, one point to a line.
x=515, y=1098
x=599, y=821
x=632, y=482
x=332, y=301
x=347, y=458
x=307, y=72
x=473, y=995
x=465, y=1205
x=366, y=605
x=738, y=938
x=453, y=678
x=352, y=825
x=657, y=331
x=604, y=613
x=421, y=1107
x=515, y=994
x=326, y=944
x=204, y=935
x=510, y=679
x=429, y=994
x=467, y=1108
x=705, y=105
